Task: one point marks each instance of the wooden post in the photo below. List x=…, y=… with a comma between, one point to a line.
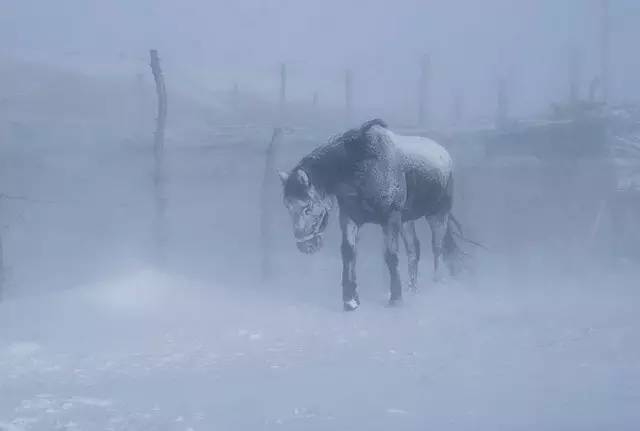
x=594, y=85
x=315, y=100
x=2, y=271
x=283, y=93
x=266, y=223
x=502, y=105
x=235, y=95
x=574, y=76
x=158, y=152
x=348, y=96
x=604, y=50
x=458, y=108
x=423, y=89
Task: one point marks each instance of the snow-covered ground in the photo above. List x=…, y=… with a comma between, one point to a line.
x=154, y=351
x=544, y=334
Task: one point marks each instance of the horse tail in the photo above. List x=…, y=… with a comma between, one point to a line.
x=457, y=232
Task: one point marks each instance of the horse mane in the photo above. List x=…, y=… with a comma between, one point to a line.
x=330, y=156
x=352, y=135
x=375, y=122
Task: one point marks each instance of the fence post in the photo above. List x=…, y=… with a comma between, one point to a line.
x=604, y=50
x=423, y=88
x=266, y=224
x=2, y=270
x=574, y=76
x=235, y=95
x=502, y=102
x=458, y=109
x=158, y=152
x=283, y=94
x=348, y=96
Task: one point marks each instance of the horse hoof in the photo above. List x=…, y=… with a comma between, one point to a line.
x=351, y=305
x=455, y=269
x=394, y=302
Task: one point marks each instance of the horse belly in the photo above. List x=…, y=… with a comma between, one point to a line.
x=360, y=211
x=426, y=195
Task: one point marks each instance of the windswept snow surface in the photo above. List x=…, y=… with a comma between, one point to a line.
x=151, y=351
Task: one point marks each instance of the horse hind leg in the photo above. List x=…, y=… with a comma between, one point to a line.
x=451, y=252
x=412, y=246
x=439, y=224
x=391, y=231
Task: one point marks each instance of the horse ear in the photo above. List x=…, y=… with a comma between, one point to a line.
x=303, y=178
x=283, y=177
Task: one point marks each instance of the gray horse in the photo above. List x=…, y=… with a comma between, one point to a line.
x=377, y=177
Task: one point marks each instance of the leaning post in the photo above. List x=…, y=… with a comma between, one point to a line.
x=283, y=94
x=158, y=152
x=266, y=214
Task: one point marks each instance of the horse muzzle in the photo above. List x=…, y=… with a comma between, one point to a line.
x=311, y=244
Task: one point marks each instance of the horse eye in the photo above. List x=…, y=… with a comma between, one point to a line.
x=307, y=210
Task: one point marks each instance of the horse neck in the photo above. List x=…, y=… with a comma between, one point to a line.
x=325, y=168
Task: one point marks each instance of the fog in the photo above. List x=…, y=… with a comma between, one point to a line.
x=216, y=44
x=144, y=293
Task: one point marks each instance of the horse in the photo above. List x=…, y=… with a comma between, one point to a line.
x=376, y=176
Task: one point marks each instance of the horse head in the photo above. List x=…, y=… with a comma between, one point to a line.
x=308, y=207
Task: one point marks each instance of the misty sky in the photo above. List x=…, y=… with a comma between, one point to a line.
x=470, y=43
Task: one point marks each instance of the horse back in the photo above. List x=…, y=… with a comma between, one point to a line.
x=428, y=169
x=394, y=172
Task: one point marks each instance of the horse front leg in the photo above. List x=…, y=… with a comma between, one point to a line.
x=391, y=230
x=350, y=230
x=412, y=246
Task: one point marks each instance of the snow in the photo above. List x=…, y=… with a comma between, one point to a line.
x=23, y=349
x=425, y=151
x=158, y=351
x=352, y=303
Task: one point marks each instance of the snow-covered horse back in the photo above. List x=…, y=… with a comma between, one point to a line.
x=377, y=177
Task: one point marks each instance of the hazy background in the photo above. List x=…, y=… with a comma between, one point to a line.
x=214, y=44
